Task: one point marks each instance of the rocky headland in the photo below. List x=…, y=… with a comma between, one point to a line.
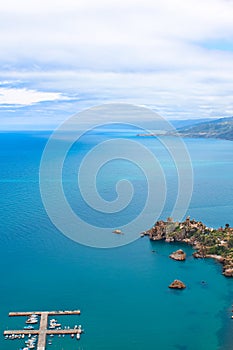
x=208, y=242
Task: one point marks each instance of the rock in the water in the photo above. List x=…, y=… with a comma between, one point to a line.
x=177, y=285
x=197, y=255
x=178, y=255
x=228, y=272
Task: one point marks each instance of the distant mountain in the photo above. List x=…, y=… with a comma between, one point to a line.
x=184, y=123
x=219, y=128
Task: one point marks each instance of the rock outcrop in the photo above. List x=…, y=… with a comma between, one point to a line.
x=179, y=255
x=228, y=272
x=177, y=284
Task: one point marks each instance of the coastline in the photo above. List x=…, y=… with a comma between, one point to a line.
x=208, y=242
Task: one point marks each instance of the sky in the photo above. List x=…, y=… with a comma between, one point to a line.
x=59, y=57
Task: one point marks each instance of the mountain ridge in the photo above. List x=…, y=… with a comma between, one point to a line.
x=221, y=128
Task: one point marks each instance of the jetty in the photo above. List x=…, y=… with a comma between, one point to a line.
x=43, y=330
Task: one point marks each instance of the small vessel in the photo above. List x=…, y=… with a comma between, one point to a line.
x=72, y=335
x=80, y=330
x=32, y=320
x=28, y=327
x=78, y=336
x=117, y=231
x=54, y=324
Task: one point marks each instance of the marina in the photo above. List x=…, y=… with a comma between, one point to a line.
x=43, y=331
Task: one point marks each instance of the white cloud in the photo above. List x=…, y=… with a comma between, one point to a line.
x=112, y=35
x=146, y=52
x=26, y=97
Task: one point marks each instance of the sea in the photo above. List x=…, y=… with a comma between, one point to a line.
x=122, y=292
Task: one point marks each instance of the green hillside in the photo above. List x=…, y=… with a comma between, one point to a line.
x=218, y=128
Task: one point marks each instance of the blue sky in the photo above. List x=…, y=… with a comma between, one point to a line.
x=60, y=57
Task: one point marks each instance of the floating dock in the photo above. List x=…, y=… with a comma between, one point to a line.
x=51, y=313
x=43, y=331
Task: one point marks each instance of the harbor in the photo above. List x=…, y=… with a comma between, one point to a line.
x=37, y=338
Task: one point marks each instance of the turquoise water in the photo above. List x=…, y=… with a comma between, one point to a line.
x=122, y=292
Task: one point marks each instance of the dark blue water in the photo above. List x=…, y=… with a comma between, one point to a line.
x=123, y=292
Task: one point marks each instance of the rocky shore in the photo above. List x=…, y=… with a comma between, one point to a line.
x=208, y=242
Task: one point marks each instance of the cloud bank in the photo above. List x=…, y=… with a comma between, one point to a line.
x=173, y=56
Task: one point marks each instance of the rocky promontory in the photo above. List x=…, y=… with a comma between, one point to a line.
x=208, y=242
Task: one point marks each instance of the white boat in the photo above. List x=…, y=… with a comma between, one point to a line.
x=28, y=327
x=78, y=336
x=54, y=325
x=53, y=321
x=117, y=231
x=32, y=320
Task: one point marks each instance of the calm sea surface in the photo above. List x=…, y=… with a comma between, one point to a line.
x=122, y=292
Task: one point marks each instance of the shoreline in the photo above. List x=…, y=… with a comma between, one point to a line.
x=208, y=242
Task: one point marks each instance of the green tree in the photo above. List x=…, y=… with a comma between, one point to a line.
x=230, y=243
